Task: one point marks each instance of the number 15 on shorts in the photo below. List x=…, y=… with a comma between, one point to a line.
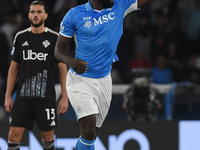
x=50, y=113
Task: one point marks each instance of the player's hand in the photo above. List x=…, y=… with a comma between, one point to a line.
x=63, y=105
x=79, y=66
x=8, y=104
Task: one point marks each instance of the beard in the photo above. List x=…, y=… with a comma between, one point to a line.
x=106, y=3
x=38, y=24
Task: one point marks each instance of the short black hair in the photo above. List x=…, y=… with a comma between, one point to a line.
x=38, y=3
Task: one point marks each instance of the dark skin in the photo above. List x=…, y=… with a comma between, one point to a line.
x=77, y=65
x=87, y=124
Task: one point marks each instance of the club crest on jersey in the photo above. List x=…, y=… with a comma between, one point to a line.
x=79, y=109
x=46, y=43
x=87, y=24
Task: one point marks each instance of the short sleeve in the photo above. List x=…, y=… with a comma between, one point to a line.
x=14, y=55
x=130, y=6
x=67, y=26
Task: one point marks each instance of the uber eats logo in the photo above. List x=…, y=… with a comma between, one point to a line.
x=30, y=55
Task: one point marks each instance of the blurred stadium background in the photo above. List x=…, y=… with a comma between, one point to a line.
x=170, y=28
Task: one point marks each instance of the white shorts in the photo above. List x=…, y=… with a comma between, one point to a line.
x=89, y=96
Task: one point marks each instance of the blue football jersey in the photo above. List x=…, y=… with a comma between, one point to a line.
x=97, y=34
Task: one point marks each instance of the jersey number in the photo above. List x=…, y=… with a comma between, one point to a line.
x=50, y=113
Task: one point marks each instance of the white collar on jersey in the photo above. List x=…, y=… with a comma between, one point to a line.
x=29, y=29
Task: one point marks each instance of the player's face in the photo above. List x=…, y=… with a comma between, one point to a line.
x=37, y=15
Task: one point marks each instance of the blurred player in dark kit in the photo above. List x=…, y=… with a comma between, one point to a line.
x=34, y=62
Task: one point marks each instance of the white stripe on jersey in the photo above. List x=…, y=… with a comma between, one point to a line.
x=52, y=31
x=20, y=32
x=75, y=40
x=29, y=30
x=133, y=7
x=65, y=35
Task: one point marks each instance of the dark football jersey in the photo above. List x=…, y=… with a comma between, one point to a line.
x=35, y=55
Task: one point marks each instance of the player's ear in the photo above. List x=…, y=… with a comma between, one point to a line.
x=29, y=15
x=46, y=15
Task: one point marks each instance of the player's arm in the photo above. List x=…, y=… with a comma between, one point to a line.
x=60, y=49
x=142, y=2
x=11, y=80
x=63, y=104
x=77, y=65
x=135, y=6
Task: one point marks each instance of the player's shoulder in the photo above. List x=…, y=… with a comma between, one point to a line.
x=75, y=12
x=52, y=32
x=118, y=1
x=22, y=32
x=77, y=9
x=124, y=1
x=80, y=7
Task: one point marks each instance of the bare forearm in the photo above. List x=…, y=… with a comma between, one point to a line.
x=63, y=74
x=79, y=66
x=11, y=80
x=63, y=104
x=60, y=49
x=61, y=56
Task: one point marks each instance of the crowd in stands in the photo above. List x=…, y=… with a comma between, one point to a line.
x=163, y=32
x=169, y=28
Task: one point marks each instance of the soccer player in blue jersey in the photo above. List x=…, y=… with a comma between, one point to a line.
x=96, y=27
